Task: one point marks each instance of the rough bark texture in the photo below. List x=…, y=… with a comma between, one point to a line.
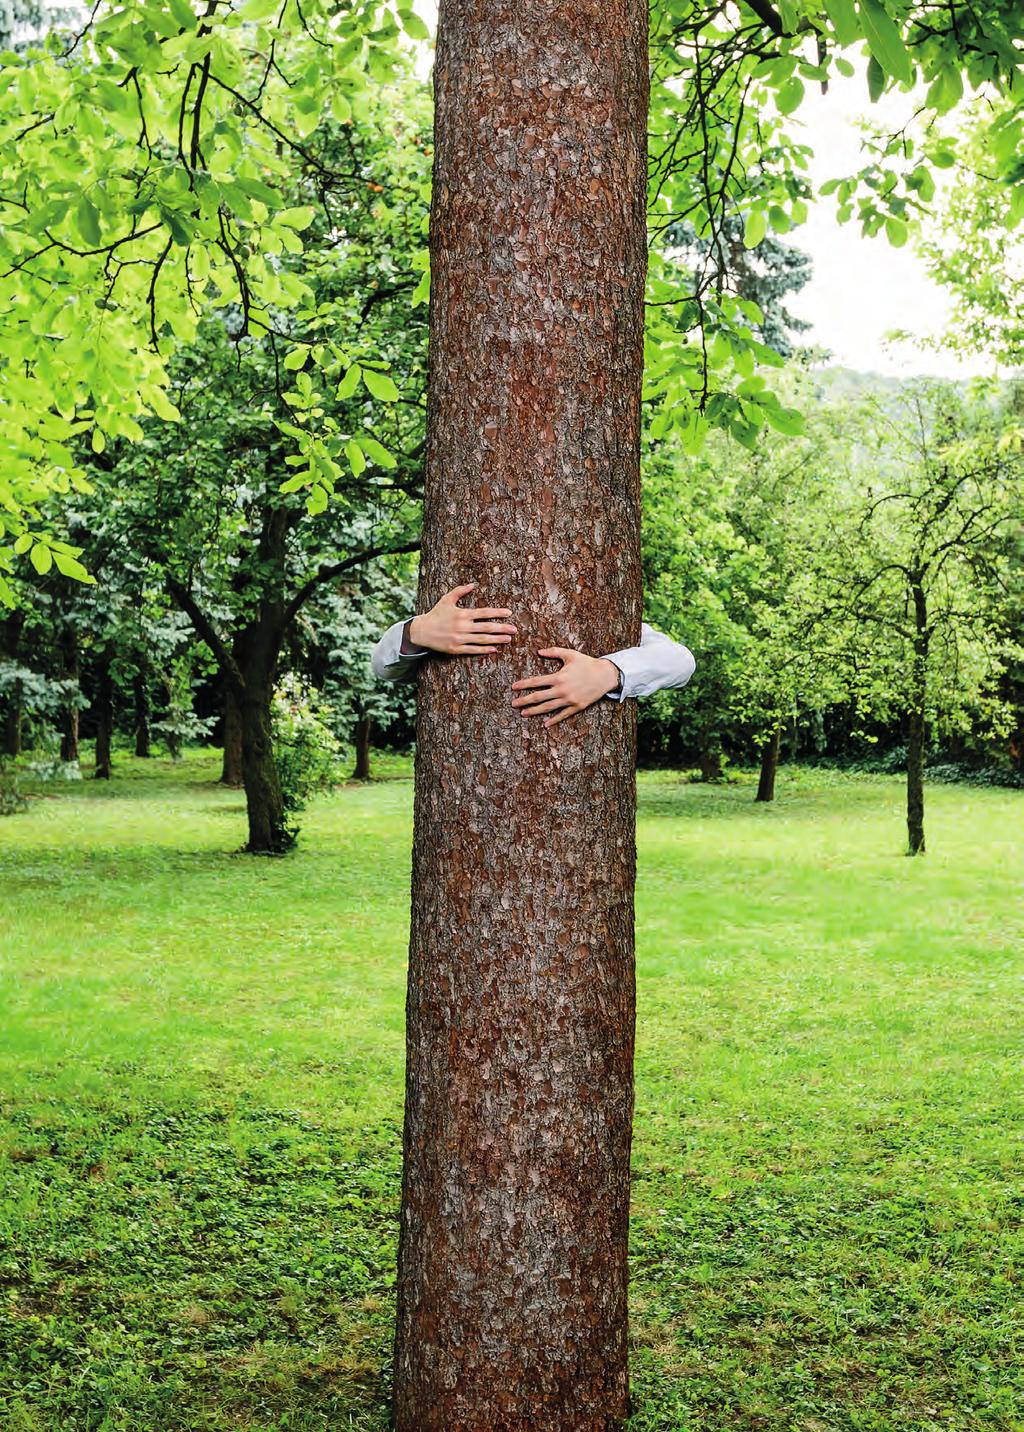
x=512, y=1261
x=769, y=766
x=364, y=727
x=232, y=771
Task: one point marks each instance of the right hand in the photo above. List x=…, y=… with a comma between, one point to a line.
x=461, y=631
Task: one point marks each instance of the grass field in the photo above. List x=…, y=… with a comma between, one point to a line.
x=200, y=1104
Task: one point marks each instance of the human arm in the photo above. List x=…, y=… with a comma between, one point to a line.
x=658, y=662
x=447, y=628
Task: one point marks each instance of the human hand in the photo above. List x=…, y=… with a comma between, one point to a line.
x=461, y=631
x=581, y=681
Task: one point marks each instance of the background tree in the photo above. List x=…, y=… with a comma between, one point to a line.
x=915, y=564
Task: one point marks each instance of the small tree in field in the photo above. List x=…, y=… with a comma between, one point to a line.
x=917, y=560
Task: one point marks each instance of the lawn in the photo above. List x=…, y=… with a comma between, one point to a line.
x=200, y=1105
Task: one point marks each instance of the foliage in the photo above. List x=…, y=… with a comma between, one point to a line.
x=144, y=166
x=180, y=726
x=306, y=749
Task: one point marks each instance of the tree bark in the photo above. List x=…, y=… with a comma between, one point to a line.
x=70, y=671
x=232, y=770
x=513, y=1236
x=364, y=726
x=769, y=766
x=104, y=709
x=140, y=691
x=917, y=731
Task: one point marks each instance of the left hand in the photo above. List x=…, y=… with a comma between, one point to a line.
x=581, y=681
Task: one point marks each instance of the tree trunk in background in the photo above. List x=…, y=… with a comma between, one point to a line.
x=232, y=770
x=519, y=1092
x=10, y=641
x=769, y=766
x=69, y=670
x=140, y=691
x=362, y=741
x=104, y=719
x=711, y=763
x=917, y=733
x=13, y=722
x=256, y=655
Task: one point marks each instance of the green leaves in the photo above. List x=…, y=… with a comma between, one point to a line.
x=885, y=41
x=88, y=220
x=843, y=15
x=380, y=385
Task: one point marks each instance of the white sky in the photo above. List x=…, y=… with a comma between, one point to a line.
x=861, y=288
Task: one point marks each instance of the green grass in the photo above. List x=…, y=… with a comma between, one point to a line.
x=200, y=1103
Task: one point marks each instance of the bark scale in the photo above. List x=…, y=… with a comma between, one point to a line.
x=769, y=766
x=520, y=1013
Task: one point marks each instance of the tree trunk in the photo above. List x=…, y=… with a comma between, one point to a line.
x=362, y=737
x=104, y=719
x=143, y=734
x=14, y=721
x=268, y=829
x=515, y=1200
x=769, y=766
x=915, y=783
x=711, y=763
x=232, y=770
x=916, y=734
x=69, y=663
x=14, y=707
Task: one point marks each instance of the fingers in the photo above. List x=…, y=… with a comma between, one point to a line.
x=529, y=682
x=533, y=699
x=475, y=638
x=488, y=613
x=539, y=692
x=563, y=715
x=561, y=653
x=476, y=625
x=457, y=593
x=541, y=708
x=466, y=650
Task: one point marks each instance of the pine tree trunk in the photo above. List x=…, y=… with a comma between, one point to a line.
x=268, y=831
x=769, y=766
x=143, y=734
x=513, y=1242
x=104, y=719
x=69, y=670
x=364, y=726
x=232, y=770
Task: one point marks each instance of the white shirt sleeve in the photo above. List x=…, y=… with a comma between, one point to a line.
x=390, y=662
x=657, y=663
